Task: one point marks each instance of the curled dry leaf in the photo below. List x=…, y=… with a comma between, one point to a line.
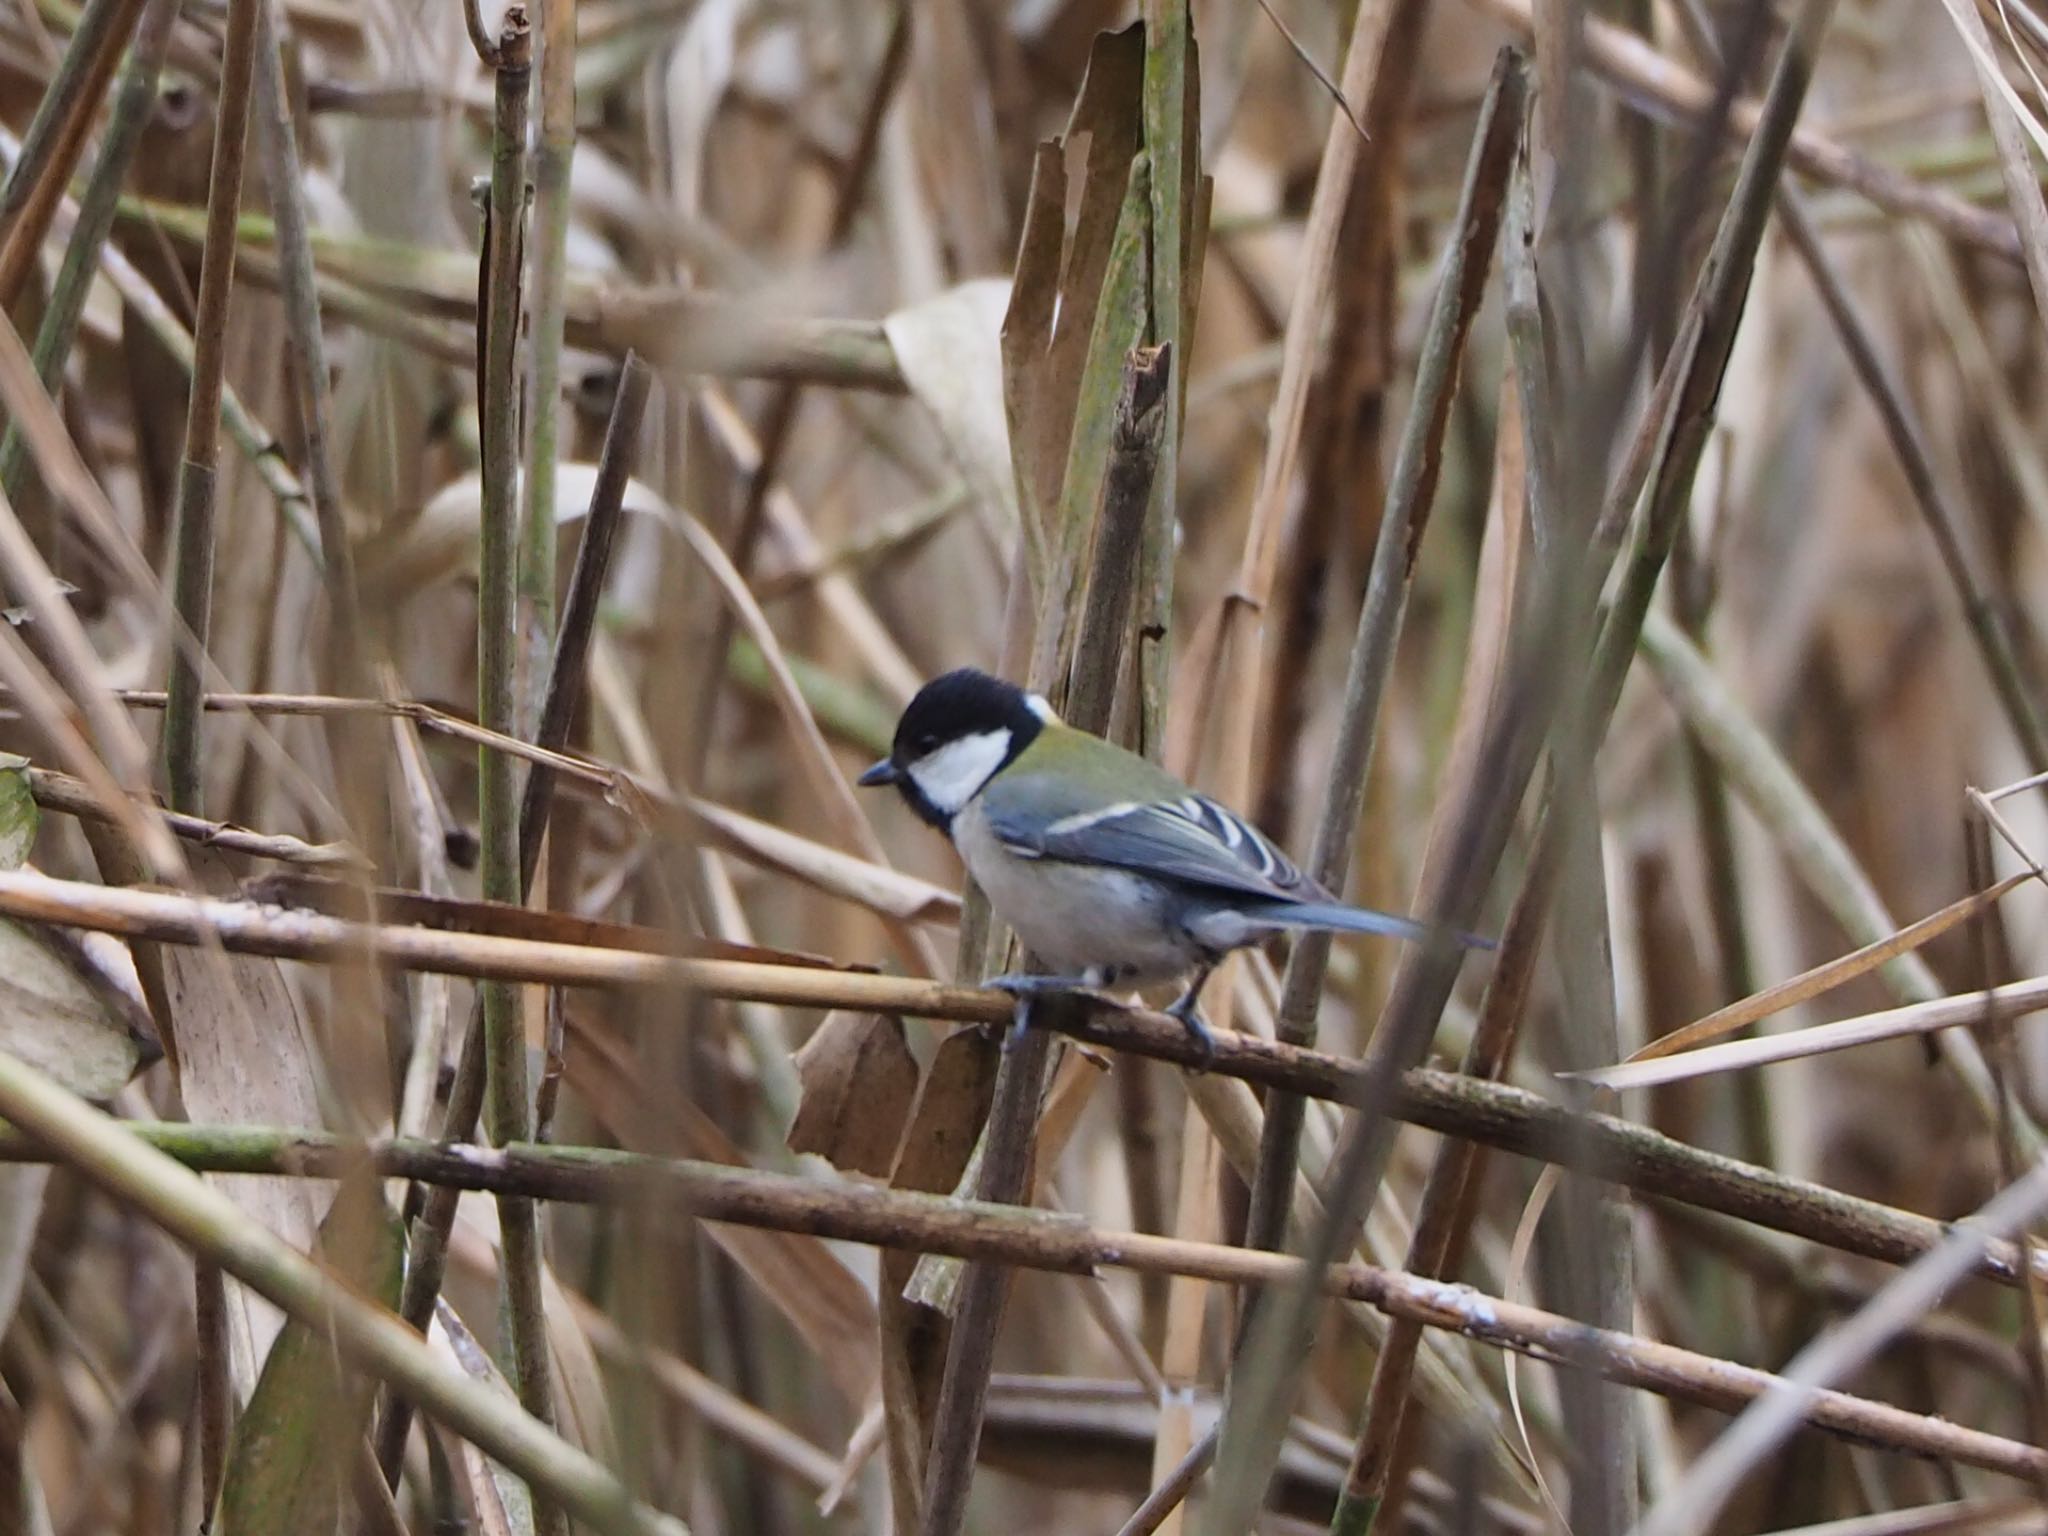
x=950, y=350
x=858, y=1080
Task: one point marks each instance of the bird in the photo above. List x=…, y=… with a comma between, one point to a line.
x=1110, y=870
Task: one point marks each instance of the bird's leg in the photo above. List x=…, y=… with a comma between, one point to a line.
x=1024, y=988
x=1187, y=1009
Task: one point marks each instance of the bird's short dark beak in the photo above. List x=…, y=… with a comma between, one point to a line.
x=883, y=772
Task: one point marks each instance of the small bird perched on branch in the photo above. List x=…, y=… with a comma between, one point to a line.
x=1107, y=868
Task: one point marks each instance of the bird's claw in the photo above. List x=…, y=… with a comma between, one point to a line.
x=1191, y=1020
x=1025, y=988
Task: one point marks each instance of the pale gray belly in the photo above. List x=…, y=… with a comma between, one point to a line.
x=1076, y=916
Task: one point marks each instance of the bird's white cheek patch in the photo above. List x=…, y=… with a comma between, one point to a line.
x=950, y=776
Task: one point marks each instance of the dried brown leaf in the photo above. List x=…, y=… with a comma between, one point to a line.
x=858, y=1080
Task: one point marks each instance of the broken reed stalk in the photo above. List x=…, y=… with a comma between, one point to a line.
x=1411, y=492
x=202, y=1219
x=427, y=1243
x=57, y=135
x=508, y=1105
x=143, y=1166
x=1142, y=403
x=1143, y=410
x=61, y=792
x=134, y=102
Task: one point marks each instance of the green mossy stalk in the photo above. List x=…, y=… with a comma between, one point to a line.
x=508, y=1105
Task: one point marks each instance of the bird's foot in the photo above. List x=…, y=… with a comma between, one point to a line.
x=1024, y=989
x=1184, y=1008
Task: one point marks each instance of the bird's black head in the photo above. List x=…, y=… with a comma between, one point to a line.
x=958, y=732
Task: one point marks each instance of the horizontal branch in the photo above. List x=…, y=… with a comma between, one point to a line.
x=1036, y=1239
x=68, y=796
x=1495, y=1114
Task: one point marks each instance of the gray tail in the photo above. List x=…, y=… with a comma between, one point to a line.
x=1334, y=917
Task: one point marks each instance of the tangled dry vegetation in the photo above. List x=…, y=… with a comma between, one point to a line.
x=479, y=484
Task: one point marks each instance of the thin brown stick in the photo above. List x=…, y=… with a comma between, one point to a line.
x=70, y=796
x=507, y=1100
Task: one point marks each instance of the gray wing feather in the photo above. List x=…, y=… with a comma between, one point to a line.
x=1192, y=839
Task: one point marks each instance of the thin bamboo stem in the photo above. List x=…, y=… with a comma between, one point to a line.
x=192, y=601
x=507, y=1104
